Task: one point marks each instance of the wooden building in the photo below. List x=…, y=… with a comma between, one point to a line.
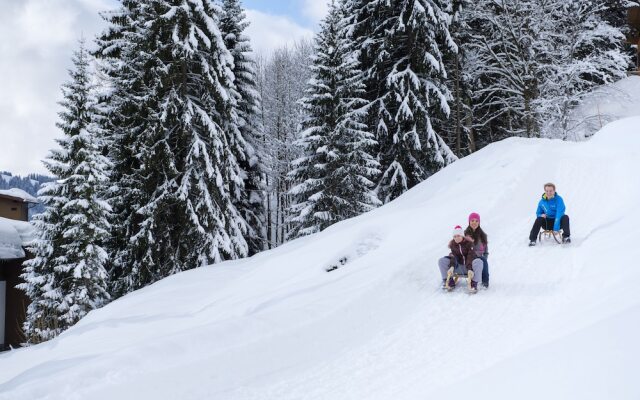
x=14, y=204
x=15, y=232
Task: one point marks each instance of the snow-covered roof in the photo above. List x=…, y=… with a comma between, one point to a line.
x=19, y=194
x=14, y=235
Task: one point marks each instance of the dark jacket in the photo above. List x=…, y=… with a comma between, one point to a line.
x=463, y=252
x=481, y=248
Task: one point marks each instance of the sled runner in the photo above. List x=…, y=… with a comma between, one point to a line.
x=456, y=275
x=548, y=234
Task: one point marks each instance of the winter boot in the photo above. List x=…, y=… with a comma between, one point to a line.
x=566, y=240
x=450, y=282
x=532, y=243
x=485, y=285
x=470, y=281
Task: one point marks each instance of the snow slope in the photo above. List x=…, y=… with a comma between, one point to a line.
x=608, y=103
x=557, y=322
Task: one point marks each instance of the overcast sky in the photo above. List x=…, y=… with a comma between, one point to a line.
x=37, y=38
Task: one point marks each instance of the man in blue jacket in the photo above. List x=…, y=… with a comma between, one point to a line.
x=550, y=215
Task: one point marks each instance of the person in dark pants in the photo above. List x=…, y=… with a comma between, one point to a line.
x=550, y=215
x=478, y=237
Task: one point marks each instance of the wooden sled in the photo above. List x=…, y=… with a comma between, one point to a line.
x=548, y=234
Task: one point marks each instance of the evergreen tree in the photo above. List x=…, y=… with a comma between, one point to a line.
x=124, y=56
x=67, y=277
x=458, y=130
x=401, y=45
x=250, y=200
x=335, y=175
x=177, y=175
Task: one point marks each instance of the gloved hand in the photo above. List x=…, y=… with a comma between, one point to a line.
x=451, y=263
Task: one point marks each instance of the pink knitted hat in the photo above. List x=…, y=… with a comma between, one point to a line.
x=474, y=216
x=458, y=231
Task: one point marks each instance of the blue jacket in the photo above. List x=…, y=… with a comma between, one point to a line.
x=553, y=208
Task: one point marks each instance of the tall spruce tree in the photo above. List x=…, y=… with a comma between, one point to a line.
x=334, y=178
x=174, y=192
x=250, y=201
x=458, y=127
x=401, y=45
x=129, y=106
x=67, y=277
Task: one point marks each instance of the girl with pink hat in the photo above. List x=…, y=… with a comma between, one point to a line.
x=476, y=235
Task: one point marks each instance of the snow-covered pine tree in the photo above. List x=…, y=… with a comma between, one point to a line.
x=457, y=129
x=67, y=277
x=334, y=177
x=125, y=61
x=251, y=200
x=401, y=45
x=188, y=167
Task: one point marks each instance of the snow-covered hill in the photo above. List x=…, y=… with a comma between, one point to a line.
x=557, y=322
x=608, y=103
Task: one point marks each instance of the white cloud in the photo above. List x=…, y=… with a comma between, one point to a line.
x=37, y=38
x=315, y=9
x=269, y=32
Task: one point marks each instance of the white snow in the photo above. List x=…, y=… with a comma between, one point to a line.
x=19, y=194
x=13, y=236
x=557, y=323
x=608, y=103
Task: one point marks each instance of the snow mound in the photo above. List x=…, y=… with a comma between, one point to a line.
x=558, y=321
x=14, y=235
x=606, y=104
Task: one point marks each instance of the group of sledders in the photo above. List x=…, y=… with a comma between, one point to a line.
x=469, y=248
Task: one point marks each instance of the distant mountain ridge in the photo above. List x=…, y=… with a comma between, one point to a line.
x=30, y=184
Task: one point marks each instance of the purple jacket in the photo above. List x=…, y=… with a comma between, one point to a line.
x=481, y=249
